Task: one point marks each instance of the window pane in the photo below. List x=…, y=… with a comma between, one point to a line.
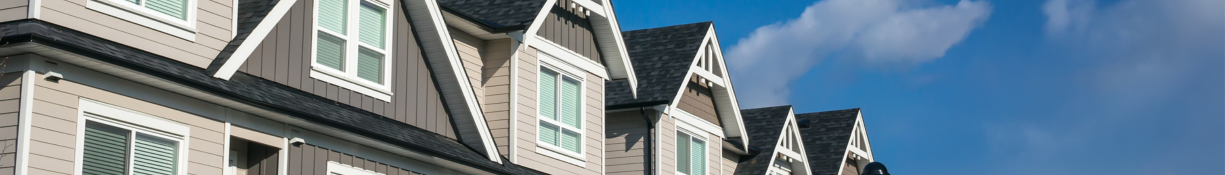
x=548, y=93
x=174, y=8
x=105, y=149
x=370, y=65
x=682, y=153
x=329, y=51
x=698, y=151
x=154, y=155
x=137, y=2
x=570, y=140
x=548, y=133
x=332, y=15
x=373, y=24
x=570, y=103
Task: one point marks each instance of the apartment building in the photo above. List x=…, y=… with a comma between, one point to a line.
x=357, y=87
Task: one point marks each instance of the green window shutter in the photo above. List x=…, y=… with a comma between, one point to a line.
x=699, y=157
x=682, y=153
x=372, y=25
x=174, y=8
x=548, y=93
x=370, y=65
x=105, y=150
x=548, y=133
x=154, y=156
x=333, y=16
x=570, y=103
x=570, y=140
x=330, y=51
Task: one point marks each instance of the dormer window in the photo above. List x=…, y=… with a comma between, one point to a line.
x=352, y=48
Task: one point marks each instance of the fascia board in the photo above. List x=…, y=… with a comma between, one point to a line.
x=253, y=40
x=733, y=105
x=451, y=79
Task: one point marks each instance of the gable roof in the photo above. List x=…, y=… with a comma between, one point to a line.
x=246, y=89
x=764, y=125
x=662, y=57
x=827, y=137
x=499, y=15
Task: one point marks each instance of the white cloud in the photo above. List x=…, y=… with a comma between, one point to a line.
x=876, y=31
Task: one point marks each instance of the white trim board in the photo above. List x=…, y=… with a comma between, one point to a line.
x=257, y=35
x=139, y=15
x=24, y=122
x=723, y=95
x=586, y=64
x=134, y=121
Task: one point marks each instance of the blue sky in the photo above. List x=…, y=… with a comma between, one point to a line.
x=1019, y=87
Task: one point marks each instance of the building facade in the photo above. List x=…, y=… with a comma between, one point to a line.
x=356, y=87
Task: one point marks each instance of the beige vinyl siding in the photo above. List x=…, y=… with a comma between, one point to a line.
x=213, y=29
x=567, y=27
x=13, y=10
x=470, y=48
x=729, y=162
x=526, y=107
x=10, y=108
x=667, y=145
x=53, y=131
x=308, y=159
x=495, y=77
x=697, y=99
x=714, y=147
x=849, y=167
x=625, y=141
x=284, y=57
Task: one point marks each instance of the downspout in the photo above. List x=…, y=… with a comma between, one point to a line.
x=648, y=146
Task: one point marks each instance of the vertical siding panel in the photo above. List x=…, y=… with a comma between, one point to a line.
x=295, y=160
x=268, y=69
x=431, y=110
x=295, y=49
x=320, y=161
x=306, y=22
x=256, y=61
x=342, y=95
x=282, y=51
x=423, y=84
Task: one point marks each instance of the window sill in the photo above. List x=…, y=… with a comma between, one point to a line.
x=556, y=153
x=376, y=93
x=181, y=29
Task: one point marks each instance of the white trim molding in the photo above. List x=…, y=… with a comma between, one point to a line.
x=338, y=168
x=134, y=121
x=24, y=122
x=253, y=40
x=571, y=58
x=135, y=13
x=693, y=121
x=546, y=61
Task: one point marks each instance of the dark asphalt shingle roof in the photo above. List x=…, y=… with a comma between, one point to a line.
x=255, y=91
x=250, y=14
x=763, y=126
x=661, y=57
x=497, y=14
x=826, y=138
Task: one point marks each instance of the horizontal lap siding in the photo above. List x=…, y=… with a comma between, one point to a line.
x=285, y=57
x=729, y=162
x=571, y=29
x=213, y=29
x=10, y=98
x=495, y=75
x=698, y=100
x=53, y=131
x=13, y=9
x=307, y=159
x=625, y=139
x=470, y=48
x=667, y=153
x=526, y=108
x=714, y=149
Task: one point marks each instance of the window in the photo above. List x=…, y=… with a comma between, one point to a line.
x=560, y=111
x=351, y=43
x=116, y=141
x=174, y=17
x=690, y=153
x=335, y=168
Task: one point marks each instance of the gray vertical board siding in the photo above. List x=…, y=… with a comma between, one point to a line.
x=284, y=57
x=307, y=159
x=571, y=29
x=212, y=29
x=698, y=100
x=729, y=162
x=10, y=108
x=53, y=129
x=495, y=77
x=262, y=159
x=625, y=138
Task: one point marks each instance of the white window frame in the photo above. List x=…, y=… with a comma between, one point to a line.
x=348, y=79
x=133, y=121
x=135, y=13
x=338, y=168
x=676, y=160
x=547, y=61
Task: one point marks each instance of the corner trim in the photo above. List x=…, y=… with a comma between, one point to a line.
x=253, y=40
x=33, y=9
x=24, y=123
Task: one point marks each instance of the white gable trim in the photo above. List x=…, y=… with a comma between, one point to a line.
x=608, y=36
x=858, y=131
x=724, y=95
x=790, y=126
x=445, y=64
x=253, y=40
